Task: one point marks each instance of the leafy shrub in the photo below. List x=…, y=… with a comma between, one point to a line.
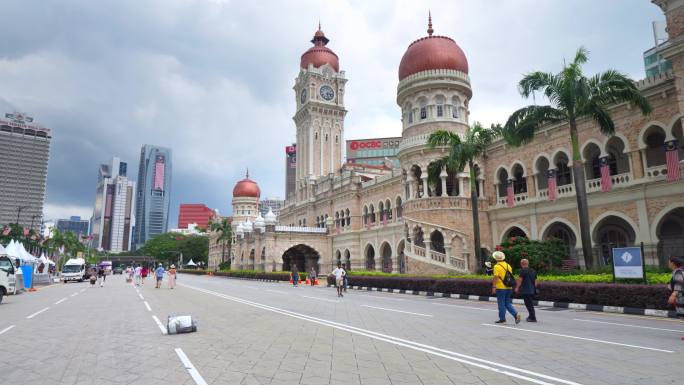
x=249, y=274
x=543, y=255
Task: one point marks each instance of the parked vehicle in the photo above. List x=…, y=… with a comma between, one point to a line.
x=8, y=280
x=74, y=270
x=117, y=270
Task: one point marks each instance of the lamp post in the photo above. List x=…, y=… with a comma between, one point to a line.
x=19, y=209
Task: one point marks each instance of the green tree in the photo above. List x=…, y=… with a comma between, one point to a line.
x=225, y=237
x=572, y=97
x=167, y=246
x=463, y=151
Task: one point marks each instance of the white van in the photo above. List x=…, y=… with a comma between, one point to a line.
x=74, y=270
x=8, y=280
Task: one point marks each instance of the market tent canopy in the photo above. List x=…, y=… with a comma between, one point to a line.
x=2, y=250
x=191, y=263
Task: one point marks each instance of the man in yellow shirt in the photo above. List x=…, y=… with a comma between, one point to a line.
x=503, y=291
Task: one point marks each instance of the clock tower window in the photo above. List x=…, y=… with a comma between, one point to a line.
x=423, y=113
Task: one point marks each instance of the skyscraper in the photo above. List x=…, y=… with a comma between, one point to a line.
x=24, y=153
x=153, y=196
x=113, y=218
x=76, y=225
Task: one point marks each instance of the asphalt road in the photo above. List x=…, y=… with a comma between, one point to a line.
x=254, y=332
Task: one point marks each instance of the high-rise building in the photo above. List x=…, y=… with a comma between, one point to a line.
x=290, y=169
x=113, y=217
x=153, y=196
x=273, y=203
x=76, y=225
x=24, y=153
x=374, y=152
x=196, y=213
x=654, y=62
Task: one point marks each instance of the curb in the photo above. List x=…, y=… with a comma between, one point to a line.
x=563, y=305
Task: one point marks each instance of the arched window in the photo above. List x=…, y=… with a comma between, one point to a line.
x=542, y=167
x=388, y=210
x=655, y=146
x=502, y=178
x=439, y=100
x=563, y=173
x=592, y=167
x=348, y=217
x=418, y=237
x=437, y=241
x=455, y=107
x=316, y=135
x=365, y=215
x=519, y=181
x=613, y=232
x=399, y=208
x=416, y=172
x=371, y=213
x=381, y=211
x=618, y=160
x=423, y=108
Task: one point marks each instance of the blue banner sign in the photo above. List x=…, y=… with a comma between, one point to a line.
x=628, y=263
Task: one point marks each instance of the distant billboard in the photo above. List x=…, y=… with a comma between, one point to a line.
x=362, y=148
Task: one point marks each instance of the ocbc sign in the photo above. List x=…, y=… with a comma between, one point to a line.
x=369, y=144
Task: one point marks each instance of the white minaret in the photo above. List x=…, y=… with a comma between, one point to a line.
x=319, y=92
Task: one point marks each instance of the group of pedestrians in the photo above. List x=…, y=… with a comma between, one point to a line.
x=504, y=283
x=138, y=274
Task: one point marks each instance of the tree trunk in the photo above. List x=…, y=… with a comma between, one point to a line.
x=476, y=215
x=581, y=194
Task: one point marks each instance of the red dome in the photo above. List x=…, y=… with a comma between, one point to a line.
x=246, y=188
x=319, y=54
x=432, y=53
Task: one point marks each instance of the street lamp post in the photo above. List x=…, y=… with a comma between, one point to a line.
x=19, y=209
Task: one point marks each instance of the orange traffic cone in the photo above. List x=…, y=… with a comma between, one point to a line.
x=308, y=281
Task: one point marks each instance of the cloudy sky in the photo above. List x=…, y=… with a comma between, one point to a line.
x=213, y=79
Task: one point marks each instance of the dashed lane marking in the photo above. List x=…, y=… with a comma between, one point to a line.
x=147, y=305
x=161, y=327
x=320, y=299
x=196, y=376
x=628, y=325
x=36, y=313
x=61, y=300
x=6, y=329
x=579, y=338
x=397, y=311
x=463, y=307
x=141, y=297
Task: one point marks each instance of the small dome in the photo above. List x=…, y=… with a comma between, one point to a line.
x=247, y=226
x=246, y=188
x=270, y=218
x=259, y=222
x=239, y=230
x=319, y=54
x=431, y=53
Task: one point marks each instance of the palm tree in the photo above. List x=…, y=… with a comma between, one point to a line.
x=573, y=96
x=462, y=152
x=225, y=236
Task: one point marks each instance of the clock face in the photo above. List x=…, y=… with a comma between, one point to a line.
x=302, y=97
x=327, y=93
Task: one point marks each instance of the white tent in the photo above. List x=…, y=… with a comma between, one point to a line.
x=2, y=250
x=11, y=249
x=44, y=259
x=191, y=263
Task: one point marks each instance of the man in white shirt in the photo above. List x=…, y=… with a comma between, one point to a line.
x=339, y=278
x=137, y=273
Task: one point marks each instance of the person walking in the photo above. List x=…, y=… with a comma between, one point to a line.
x=502, y=287
x=143, y=274
x=137, y=273
x=159, y=274
x=101, y=275
x=526, y=286
x=295, y=275
x=312, y=276
x=172, y=276
x=676, y=299
x=339, y=274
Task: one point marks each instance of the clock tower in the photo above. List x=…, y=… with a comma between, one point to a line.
x=319, y=93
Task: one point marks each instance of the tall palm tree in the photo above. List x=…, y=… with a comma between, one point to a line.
x=463, y=151
x=572, y=97
x=225, y=236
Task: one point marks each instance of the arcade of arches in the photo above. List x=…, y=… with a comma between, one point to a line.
x=303, y=256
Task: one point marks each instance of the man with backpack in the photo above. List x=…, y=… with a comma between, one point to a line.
x=502, y=286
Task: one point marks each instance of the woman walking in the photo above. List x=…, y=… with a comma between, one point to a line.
x=676, y=299
x=295, y=275
x=312, y=276
x=143, y=275
x=172, y=276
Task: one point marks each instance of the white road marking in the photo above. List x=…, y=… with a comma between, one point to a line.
x=75, y=294
x=377, y=297
x=485, y=364
x=147, y=305
x=161, y=327
x=397, y=311
x=629, y=326
x=579, y=338
x=320, y=299
x=141, y=297
x=276, y=291
x=36, y=313
x=190, y=367
x=82, y=290
x=463, y=307
x=61, y=300
x=6, y=329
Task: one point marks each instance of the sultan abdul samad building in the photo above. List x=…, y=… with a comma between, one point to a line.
x=371, y=217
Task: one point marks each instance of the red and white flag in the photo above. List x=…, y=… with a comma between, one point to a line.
x=26, y=231
x=672, y=160
x=606, y=182
x=509, y=193
x=384, y=220
x=6, y=231
x=553, y=187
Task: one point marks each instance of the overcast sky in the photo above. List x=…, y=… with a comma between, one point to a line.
x=213, y=79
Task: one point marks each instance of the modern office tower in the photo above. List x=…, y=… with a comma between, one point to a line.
x=273, y=203
x=113, y=217
x=196, y=213
x=153, y=196
x=375, y=152
x=76, y=225
x=654, y=62
x=290, y=170
x=24, y=153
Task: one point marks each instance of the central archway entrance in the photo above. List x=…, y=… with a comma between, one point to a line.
x=301, y=255
x=386, y=252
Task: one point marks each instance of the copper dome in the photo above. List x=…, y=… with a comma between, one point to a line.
x=319, y=54
x=431, y=53
x=246, y=188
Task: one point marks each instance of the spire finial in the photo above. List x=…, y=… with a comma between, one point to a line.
x=319, y=24
x=247, y=173
x=430, y=30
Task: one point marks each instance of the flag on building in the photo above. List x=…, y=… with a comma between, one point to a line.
x=26, y=231
x=606, y=183
x=509, y=193
x=384, y=220
x=672, y=159
x=552, y=186
x=6, y=231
